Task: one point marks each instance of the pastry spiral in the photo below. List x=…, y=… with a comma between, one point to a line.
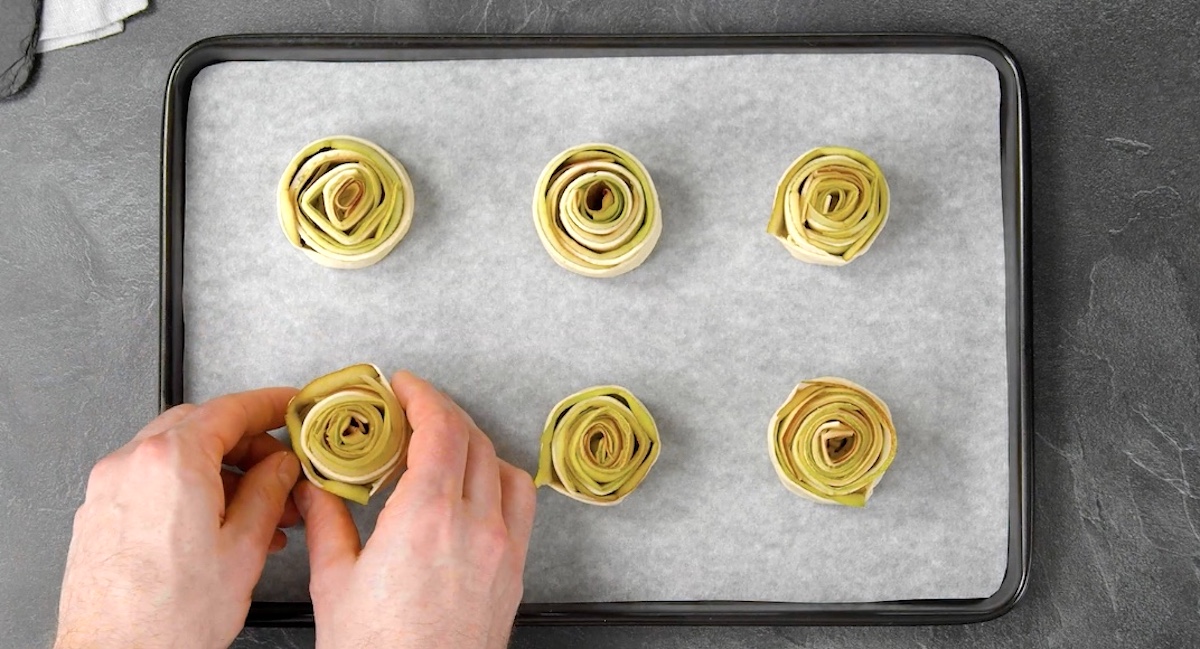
x=349, y=432
x=830, y=206
x=596, y=210
x=345, y=202
x=598, y=445
x=832, y=441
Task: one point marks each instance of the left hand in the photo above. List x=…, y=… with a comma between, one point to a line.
x=168, y=544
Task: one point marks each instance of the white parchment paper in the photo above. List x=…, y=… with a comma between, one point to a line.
x=712, y=332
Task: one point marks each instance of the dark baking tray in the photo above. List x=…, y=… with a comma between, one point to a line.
x=1014, y=157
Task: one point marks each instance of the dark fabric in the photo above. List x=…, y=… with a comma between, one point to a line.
x=18, y=43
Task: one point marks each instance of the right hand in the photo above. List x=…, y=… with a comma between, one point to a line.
x=444, y=565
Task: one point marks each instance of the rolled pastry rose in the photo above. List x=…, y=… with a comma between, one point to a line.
x=597, y=446
x=596, y=210
x=830, y=206
x=345, y=202
x=832, y=441
x=349, y=432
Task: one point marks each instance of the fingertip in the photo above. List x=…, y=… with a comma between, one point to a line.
x=332, y=536
x=258, y=503
x=404, y=383
x=220, y=423
x=413, y=391
x=255, y=410
x=437, y=451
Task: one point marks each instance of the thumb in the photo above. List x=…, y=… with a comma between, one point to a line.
x=257, y=505
x=333, y=541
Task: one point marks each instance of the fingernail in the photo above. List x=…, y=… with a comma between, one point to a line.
x=288, y=469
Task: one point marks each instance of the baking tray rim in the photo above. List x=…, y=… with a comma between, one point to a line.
x=1016, y=189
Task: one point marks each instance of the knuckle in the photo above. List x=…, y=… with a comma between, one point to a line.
x=180, y=411
x=529, y=493
x=523, y=482
x=491, y=539
x=102, y=472
x=519, y=485
x=444, y=422
x=434, y=525
x=422, y=542
x=157, y=451
x=486, y=448
x=486, y=443
x=201, y=413
x=462, y=413
x=81, y=516
x=319, y=587
x=440, y=512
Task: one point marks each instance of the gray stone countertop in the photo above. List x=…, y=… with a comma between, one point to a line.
x=1115, y=103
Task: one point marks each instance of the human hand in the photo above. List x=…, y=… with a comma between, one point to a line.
x=168, y=545
x=444, y=565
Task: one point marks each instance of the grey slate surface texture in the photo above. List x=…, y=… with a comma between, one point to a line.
x=1116, y=143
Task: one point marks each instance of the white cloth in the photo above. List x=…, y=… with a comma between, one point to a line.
x=71, y=22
